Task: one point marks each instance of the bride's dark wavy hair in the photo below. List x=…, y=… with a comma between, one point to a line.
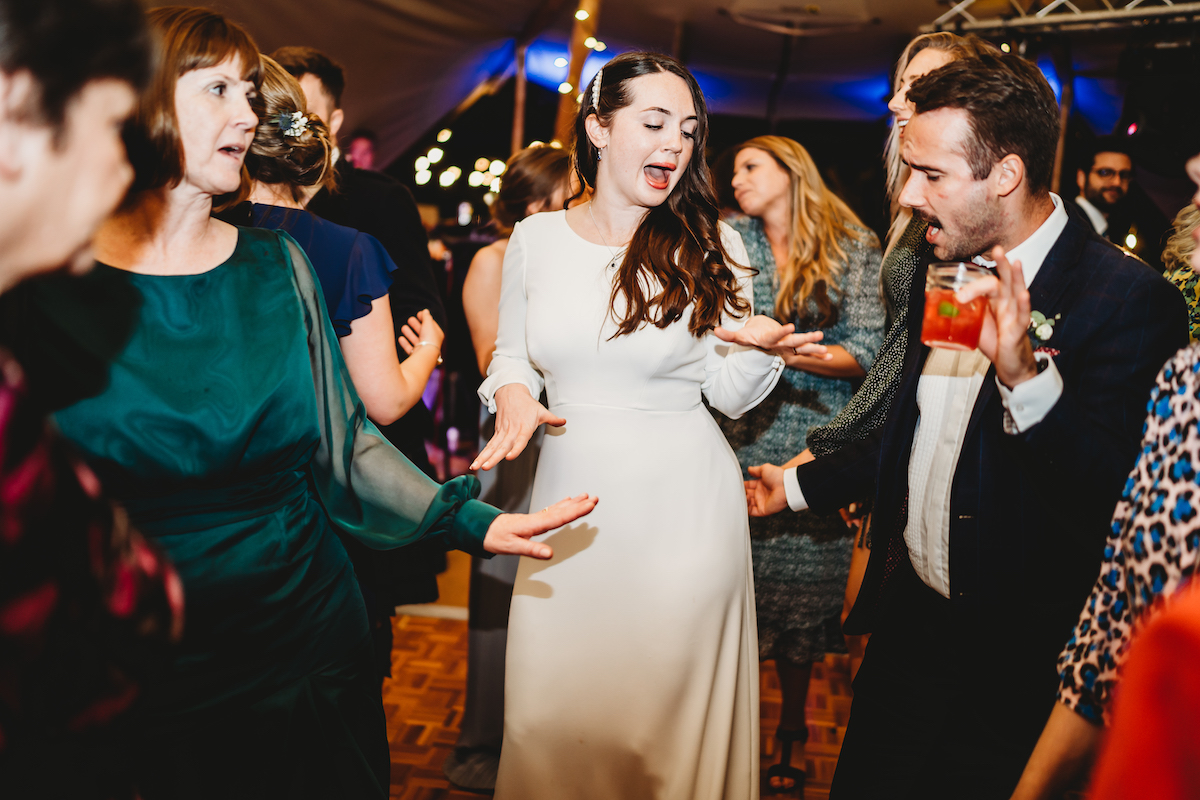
x=677, y=244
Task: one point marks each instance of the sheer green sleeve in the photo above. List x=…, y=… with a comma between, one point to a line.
x=368, y=488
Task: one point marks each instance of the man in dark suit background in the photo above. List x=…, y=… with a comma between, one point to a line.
x=1112, y=203
x=374, y=203
x=997, y=471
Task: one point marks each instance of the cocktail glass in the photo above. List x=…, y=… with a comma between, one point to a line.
x=949, y=323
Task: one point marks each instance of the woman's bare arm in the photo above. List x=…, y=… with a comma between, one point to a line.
x=841, y=365
x=388, y=388
x=1064, y=752
x=481, y=301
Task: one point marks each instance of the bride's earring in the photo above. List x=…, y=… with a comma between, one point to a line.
x=599, y=153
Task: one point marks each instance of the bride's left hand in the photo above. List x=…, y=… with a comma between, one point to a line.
x=767, y=334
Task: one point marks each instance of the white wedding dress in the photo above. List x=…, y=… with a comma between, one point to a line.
x=632, y=668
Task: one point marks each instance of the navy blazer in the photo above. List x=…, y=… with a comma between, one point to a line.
x=1028, y=512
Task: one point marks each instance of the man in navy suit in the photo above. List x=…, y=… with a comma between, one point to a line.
x=997, y=470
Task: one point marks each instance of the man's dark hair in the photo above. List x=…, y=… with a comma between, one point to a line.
x=1010, y=108
x=300, y=61
x=66, y=44
x=1105, y=144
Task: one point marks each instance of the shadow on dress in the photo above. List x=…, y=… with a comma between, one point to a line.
x=566, y=542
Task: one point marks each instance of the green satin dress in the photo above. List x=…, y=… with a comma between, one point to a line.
x=233, y=434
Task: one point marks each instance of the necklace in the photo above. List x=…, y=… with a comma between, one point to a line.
x=607, y=246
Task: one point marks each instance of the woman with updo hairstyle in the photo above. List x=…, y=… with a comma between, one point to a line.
x=290, y=160
x=817, y=267
x=292, y=151
x=235, y=438
x=632, y=669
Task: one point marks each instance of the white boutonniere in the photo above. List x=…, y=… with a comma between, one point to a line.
x=1041, y=328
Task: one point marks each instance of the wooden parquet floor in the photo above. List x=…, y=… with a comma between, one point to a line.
x=424, y=702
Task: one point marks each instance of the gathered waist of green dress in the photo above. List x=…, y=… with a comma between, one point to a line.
x=201, y=508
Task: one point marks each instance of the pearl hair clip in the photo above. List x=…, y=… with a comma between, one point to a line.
x=596, y=90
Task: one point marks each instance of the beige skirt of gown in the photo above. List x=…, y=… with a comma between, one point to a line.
x=632, y=668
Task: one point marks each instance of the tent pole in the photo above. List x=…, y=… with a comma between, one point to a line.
x=785, y=62
x=518, y=128
x=681, y=44
x=567, y=105
x=1066, y=76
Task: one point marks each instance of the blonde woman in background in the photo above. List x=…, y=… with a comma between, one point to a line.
x=904, y=250
x=1177, y=259
x=818, y=268
x=535, y=179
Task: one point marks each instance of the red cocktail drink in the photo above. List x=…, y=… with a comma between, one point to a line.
x=948, y=323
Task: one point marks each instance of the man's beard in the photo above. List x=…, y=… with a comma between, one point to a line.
x=978, y=232
x=1096, y=197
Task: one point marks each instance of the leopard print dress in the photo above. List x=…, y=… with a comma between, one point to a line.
x=1153, y=547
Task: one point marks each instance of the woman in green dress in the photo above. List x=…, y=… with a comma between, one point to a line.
x=818, y=267
x=233, y=434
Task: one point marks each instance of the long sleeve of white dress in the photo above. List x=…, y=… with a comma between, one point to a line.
x=737, y=378
x=510, y=362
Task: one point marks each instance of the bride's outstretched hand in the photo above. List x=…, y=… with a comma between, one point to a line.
x=518, y=415
x=509, y=533
x=767, y=334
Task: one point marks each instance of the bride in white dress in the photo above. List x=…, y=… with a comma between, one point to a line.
x=632, y=668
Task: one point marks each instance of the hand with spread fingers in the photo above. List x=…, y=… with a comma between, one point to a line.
x=767, y=334
x=518, y=415
x=1004, y=339
x=510, y=533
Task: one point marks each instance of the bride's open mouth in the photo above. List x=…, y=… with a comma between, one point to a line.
x=659, y=175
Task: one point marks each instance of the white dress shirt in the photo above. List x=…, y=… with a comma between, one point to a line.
x=946, y=393
x=1095, y=215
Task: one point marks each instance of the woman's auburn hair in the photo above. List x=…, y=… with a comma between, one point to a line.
x=821, y=222
x=531, y=177
x=188, y=38
x=276, y=158
x=677, y=248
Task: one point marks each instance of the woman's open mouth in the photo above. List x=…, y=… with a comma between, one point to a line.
x=659, y=175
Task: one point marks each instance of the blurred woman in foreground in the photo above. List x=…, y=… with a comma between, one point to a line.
x=88, y=607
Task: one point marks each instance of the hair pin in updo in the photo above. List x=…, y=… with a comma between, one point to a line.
x=292, y=124
x=596, y=90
